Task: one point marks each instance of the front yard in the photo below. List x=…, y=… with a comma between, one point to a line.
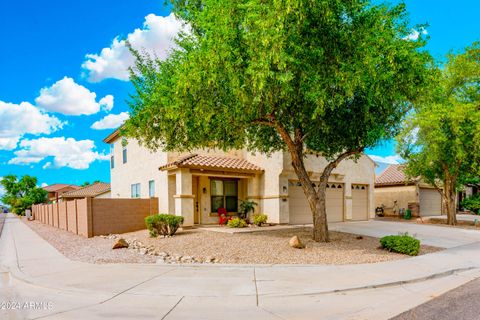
x=202, y=246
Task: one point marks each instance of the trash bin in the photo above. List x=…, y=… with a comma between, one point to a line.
x=408, y=214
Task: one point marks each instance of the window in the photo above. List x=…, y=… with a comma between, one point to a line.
x=112, y=162
x=136, y=190
x=124, y=154
x=151, y=188
x=224, y=194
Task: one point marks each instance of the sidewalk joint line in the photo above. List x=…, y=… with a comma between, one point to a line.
x=176, y=304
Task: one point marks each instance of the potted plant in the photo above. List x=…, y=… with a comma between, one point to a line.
x=245, y=208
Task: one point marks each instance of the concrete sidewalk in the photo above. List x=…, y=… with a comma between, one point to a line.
x=32, y=270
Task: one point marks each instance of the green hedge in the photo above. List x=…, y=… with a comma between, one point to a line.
x=472, y=203
x=163, y=224
x=402, y=244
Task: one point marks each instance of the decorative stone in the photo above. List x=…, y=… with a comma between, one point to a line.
x=296, y=243
x=120, y=243
x=142, y=251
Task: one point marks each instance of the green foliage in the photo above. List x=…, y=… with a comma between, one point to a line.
x=338, y=72
x=441, y=139
x=21, y=194
x=402, y=244
x=246, y=207
x=163, y=224
x=236, y=223
x=259, y=219
x=86, y=183
x=472, y=203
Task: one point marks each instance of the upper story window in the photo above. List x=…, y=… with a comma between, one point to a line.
x=224, y=194
x=124, y=150
x=151, y=188
x=112, y=162
x=135, y=190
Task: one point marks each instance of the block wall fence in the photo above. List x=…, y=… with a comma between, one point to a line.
x=90, y=217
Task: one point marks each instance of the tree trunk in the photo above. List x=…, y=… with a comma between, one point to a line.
x=448, y=196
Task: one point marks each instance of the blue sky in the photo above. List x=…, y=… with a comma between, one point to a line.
x=51, y=92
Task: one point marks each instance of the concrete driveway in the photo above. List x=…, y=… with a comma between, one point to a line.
x=438, y=236
x=33, y=271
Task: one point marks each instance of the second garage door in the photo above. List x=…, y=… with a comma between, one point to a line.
x=359, y=202
x=430, y=202
x=300, y=210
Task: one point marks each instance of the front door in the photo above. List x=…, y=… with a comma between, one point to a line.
x=196, y=200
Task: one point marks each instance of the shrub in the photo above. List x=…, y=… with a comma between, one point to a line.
x=236, y=223
x=472, y=203
x=259, y=219
x=163, y=224
x=402, y=244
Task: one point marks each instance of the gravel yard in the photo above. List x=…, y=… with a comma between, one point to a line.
x=194, y=245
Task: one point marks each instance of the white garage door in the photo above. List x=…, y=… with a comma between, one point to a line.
x=359, y=202
x=300, y=210
x=430, y=202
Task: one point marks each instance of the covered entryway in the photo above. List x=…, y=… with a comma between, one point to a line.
x=299, y=208
x=359, y=202
x=430, y=202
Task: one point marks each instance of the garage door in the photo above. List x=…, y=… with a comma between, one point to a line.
x=300, y=210
x=359, y=202
x=430, y=202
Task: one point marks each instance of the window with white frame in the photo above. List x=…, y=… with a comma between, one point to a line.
x=151, y=188
x=135, y=188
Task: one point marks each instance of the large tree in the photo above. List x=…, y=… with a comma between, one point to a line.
x=441, y=139
x=21, y=194
x=331, y=77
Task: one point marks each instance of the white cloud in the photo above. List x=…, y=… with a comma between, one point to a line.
x=395, y=159
x=16, y=120
x=67, y=97
x=106, y=103
x=44, y=184
x=111, y=121
x=413, y=36
x=66, y=152
x=156, y=36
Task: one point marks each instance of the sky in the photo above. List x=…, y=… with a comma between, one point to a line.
x=64, y=84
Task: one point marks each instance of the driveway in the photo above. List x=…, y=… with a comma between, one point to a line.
x=33, y=271
x=438, y=236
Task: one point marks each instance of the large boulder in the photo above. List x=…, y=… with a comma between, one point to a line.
x=120, y=243
x=296, y=243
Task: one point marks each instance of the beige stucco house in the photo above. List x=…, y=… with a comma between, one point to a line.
x=195, y=185
x=393, y=186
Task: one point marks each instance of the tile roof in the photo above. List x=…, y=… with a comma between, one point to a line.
x=88, y=191
x=59, y=186
x=196, y=161
x=393, y=175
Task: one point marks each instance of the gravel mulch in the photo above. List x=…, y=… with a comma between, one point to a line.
x=264, y=247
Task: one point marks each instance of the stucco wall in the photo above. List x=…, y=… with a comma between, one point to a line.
x=402, y=194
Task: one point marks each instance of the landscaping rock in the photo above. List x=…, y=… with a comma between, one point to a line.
x=143, y=251
x=120, y=243
x=296, y=243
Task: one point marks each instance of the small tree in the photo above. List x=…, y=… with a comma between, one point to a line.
x=21, y=194
x=332, y=77
x=441, y=139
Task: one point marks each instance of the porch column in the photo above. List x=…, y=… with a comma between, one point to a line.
x=184, y=198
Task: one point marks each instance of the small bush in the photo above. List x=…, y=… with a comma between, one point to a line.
x=259, y=219
x=402, y=244
x=236, y=223
x=472, y=203
x=163, y=224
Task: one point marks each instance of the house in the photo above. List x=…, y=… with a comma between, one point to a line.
x=96, y=190
x=195, y=185
x=55, y=191
x=392, y=186
x=468, y=190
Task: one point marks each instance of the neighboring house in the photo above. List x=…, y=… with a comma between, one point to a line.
x=96, y=190
x=195, y=185
x=468, y=190
x=55, y=191
x=392, y=185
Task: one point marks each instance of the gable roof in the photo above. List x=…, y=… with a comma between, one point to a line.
x=112, y=136
x=195, y=161
x=393, y=175
x=93, y=190
x=59, y=186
